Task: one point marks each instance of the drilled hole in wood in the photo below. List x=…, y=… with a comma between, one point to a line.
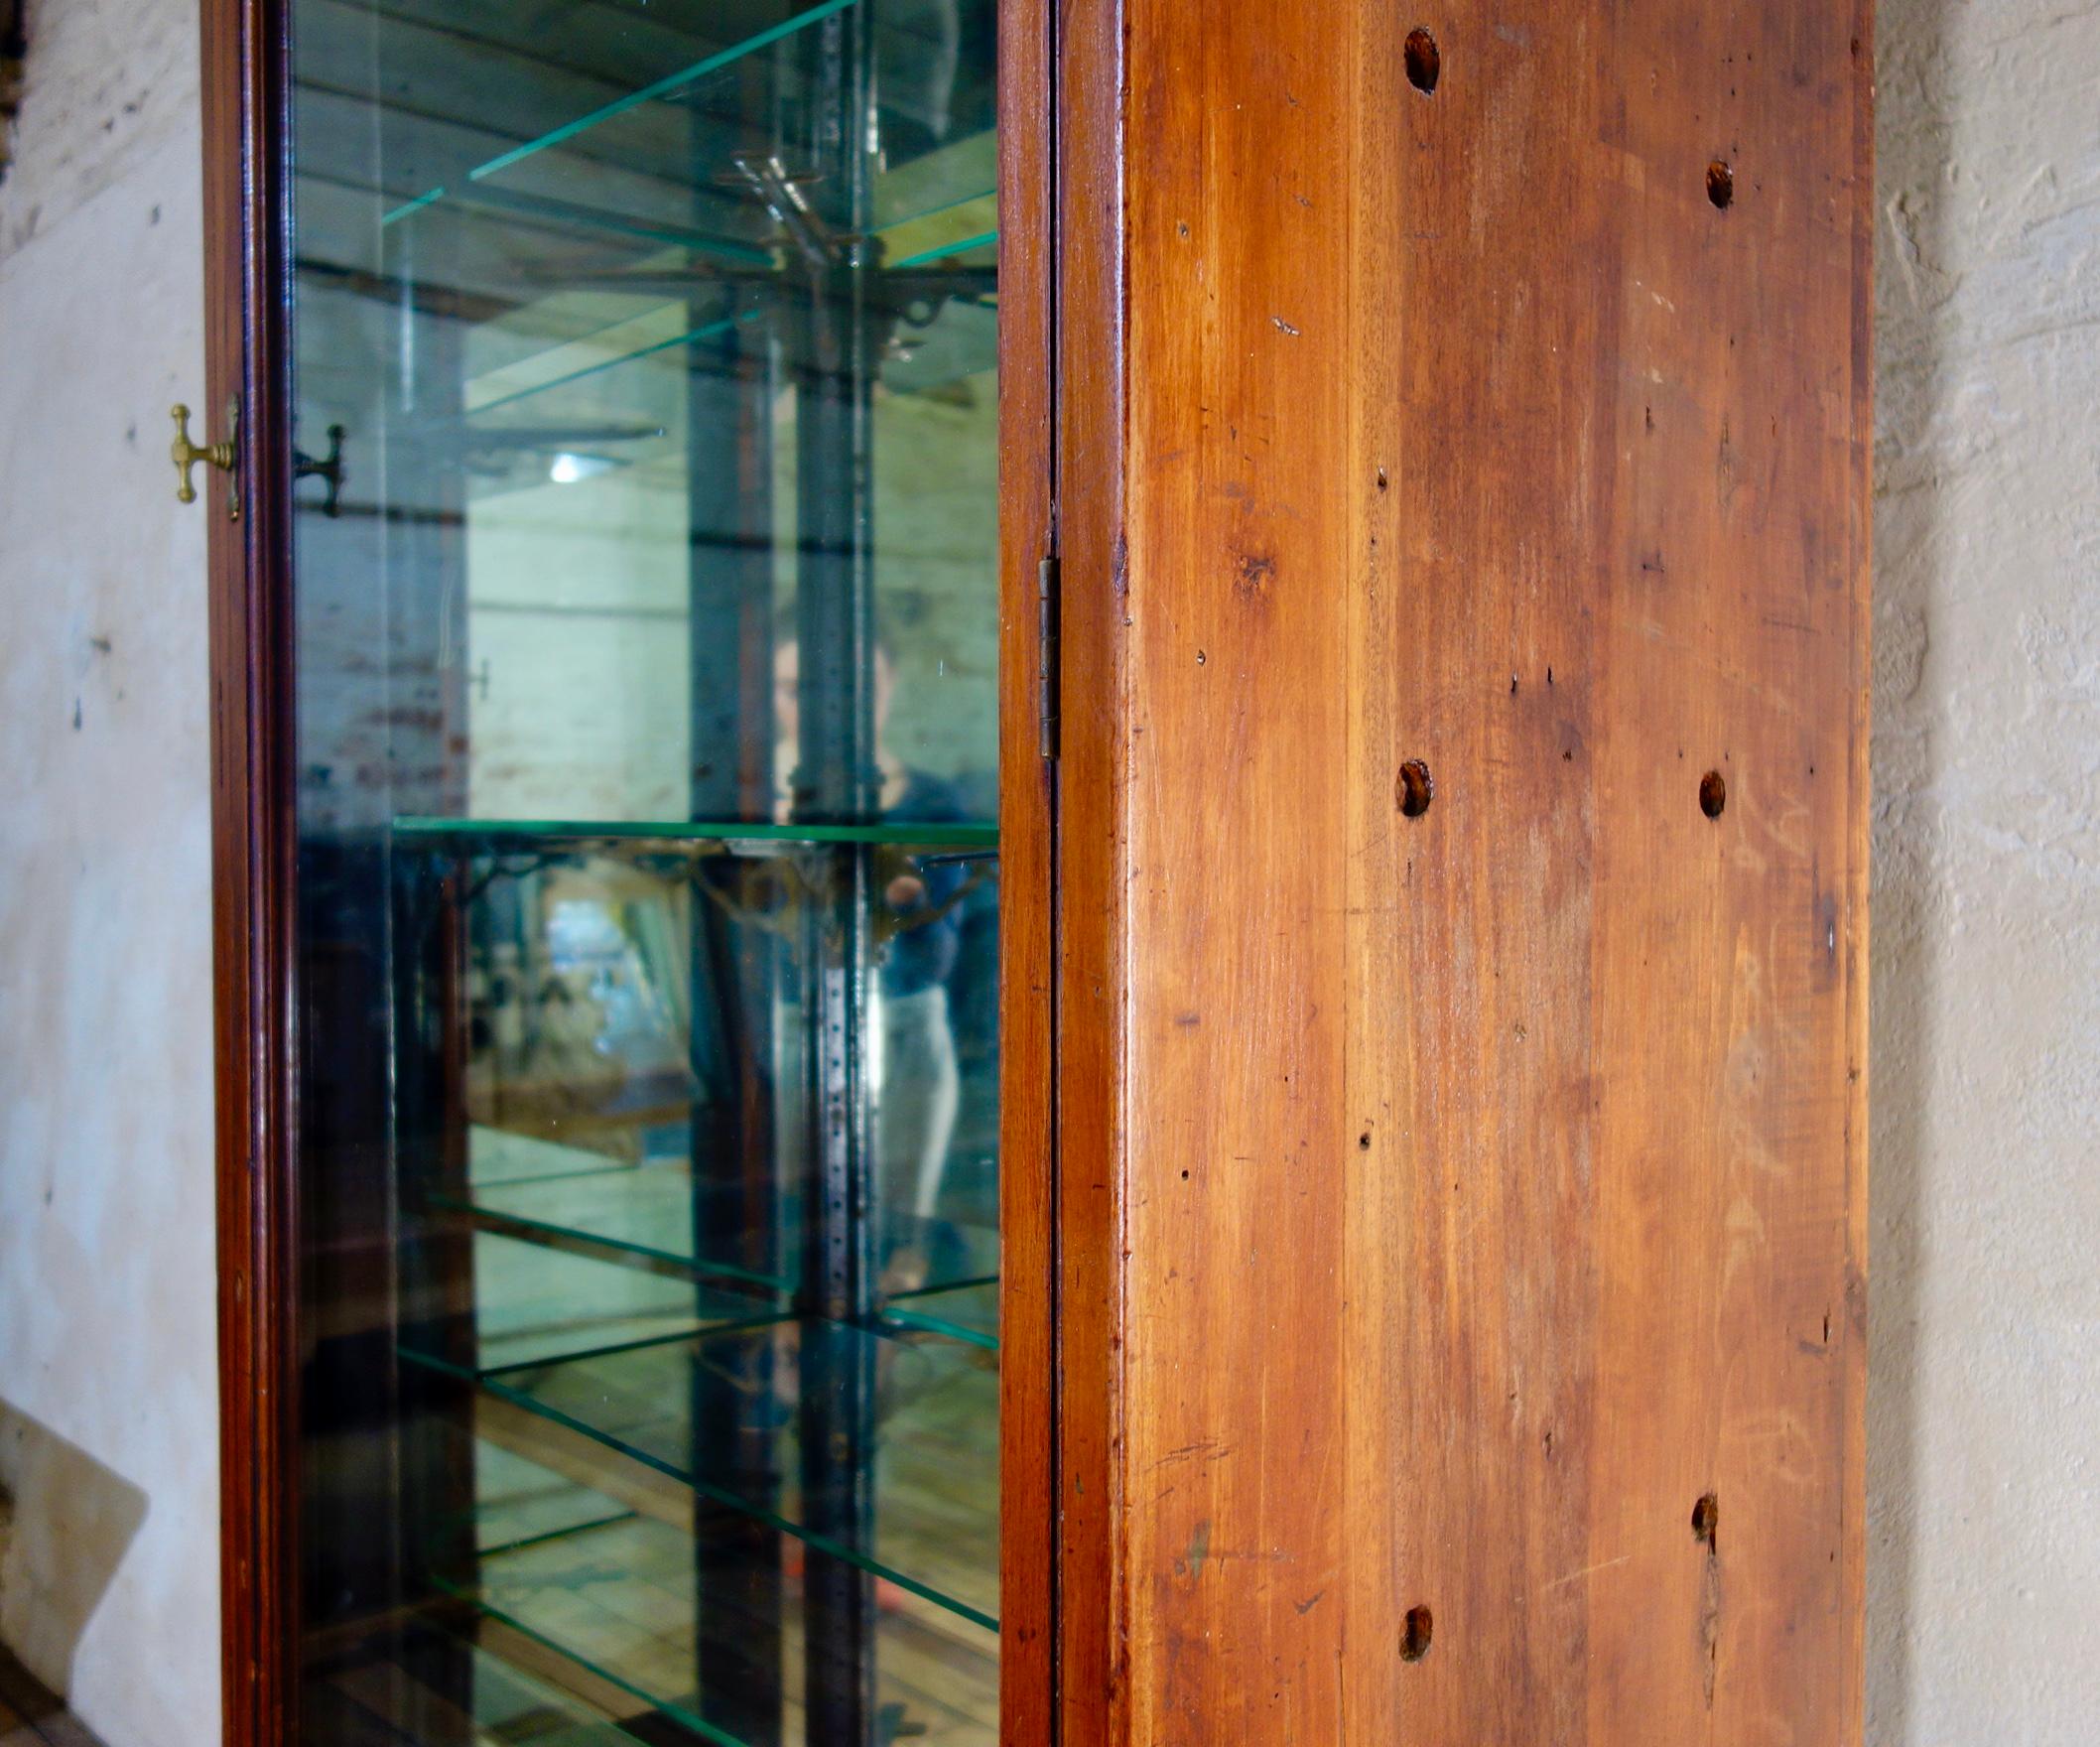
x=1424, y=61
x=1713, y=794
x=1416, y=788
x=1720, y=183
x=1414, y=1634
x=1706, y=1518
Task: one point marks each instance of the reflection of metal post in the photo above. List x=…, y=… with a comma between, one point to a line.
x=837, y=779
x=432, y=923
x=735, y=1201
x=735, y=1220
x=381, y=1009
x=423, y=564
x=730, y=493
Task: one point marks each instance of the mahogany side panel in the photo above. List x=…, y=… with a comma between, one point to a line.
x=247, y=352
x=1484, y=819
x=1093, y=988
x=1028, y=785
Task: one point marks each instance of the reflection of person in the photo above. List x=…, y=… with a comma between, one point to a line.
x=917, y=1086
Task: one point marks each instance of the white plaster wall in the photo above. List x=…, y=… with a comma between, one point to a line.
x=1984, y=1393
x=106, y=1327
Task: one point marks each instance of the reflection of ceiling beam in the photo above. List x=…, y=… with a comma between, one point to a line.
x=459, y=84
x=398, y=102
x=424, y=298
x=500, y=97
x=592, y=51
x=607, y=40
x=411, y=152
x=504, y=80
x=610, y=39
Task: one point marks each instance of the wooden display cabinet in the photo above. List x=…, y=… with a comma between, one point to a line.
x=1042, y=894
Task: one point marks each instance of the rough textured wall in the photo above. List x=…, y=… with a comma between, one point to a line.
x=108, y=1552
x=1984, y=1482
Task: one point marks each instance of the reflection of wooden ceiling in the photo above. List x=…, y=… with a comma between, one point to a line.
x=485, y=164
x=396, y=99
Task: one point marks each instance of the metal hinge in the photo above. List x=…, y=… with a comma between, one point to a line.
x=1046, y=592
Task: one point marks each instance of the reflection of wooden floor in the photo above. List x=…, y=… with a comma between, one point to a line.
x=586, y=1614
x=499, y=1687
x=621, y=1597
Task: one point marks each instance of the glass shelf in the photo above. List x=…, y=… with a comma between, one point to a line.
x=582, y=1602
x=961, y=174
x=533, y=1305
x=660, y=193
x=967, y=1311
x=591, y=268
x=934, y=1521
x=678, y=83
x=518, y=1503
x=613, y=1595
x=502, y=833
x=528, y=273
x=382, y=1696
x=498, y=1156
x=612, y=167
x=554, y=216
x=642, y=1215
x=666, y=328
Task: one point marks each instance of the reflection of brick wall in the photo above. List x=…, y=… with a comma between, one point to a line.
x=577, y=695
x=575, y=659
x=937, y=565
x=467, y=610
x=379, y=680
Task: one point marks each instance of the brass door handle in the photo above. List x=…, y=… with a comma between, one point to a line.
x=223, y=455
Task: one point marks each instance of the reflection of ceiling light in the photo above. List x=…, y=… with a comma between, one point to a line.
x=566, y=468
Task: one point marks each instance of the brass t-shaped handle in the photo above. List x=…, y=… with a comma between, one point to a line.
x=186, y=455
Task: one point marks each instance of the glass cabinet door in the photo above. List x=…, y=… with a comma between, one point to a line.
x=648, y=869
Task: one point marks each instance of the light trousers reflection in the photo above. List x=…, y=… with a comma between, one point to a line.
x=918, y=1090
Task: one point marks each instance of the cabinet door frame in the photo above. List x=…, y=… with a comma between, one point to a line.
x=246, y=92
x=1029, y=198
x=247, y=352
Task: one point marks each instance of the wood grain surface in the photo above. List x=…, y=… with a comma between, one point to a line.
x=1091, y=990
x=1028, y=1117
x=1462, y=1169
x=247, y=351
